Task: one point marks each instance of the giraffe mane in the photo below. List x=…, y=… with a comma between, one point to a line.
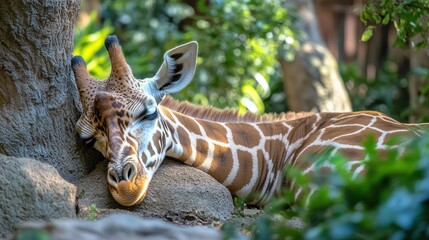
x=228, y=114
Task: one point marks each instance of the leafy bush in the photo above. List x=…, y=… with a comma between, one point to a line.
x=387, y=93
x=409, y=18
x=238, y=46
x=389, y=201
x=421, y=73
x=239, y=50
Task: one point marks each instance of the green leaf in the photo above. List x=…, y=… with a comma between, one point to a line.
x=250, y=92
x=386, y=19
x=367, y=34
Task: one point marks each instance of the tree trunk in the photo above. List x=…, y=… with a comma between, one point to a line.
x=311, y=80
x=39, y=102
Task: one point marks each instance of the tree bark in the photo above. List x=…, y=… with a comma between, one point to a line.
x=312, y=81
x=39, y=102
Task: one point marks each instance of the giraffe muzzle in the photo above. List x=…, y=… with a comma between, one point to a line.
x=128, y=187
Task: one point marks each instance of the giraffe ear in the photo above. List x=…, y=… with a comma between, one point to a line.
x=178, y=68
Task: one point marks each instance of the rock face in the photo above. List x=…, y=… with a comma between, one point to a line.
x=175, y=189
x=116, y=226
x=30, y=191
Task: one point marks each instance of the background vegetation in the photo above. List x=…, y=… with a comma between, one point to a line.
x=240, y=42
x=238, y=45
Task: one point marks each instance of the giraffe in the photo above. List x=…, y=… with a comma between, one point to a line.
x=135, y=124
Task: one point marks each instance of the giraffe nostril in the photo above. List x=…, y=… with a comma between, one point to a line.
x=112, y=178
x=129, y=172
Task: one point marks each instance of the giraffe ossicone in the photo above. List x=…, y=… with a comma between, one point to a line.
x=135, y=125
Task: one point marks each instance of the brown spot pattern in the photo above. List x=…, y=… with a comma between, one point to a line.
x=222, y=157
x=190, y=124
x=215, y=131
x=243, y=177
x=185, y=141
x=244, y=134
x=276, y=150
x=202, y=149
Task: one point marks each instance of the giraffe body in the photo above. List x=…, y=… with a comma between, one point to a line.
x=135, y=126
x=249, y=157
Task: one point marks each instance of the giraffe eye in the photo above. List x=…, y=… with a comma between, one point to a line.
x=151, y=116
x=144, y=116
x=90, y=141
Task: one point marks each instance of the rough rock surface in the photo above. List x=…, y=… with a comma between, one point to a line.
x=176, y=189
x=30, y=191
x=116, y=226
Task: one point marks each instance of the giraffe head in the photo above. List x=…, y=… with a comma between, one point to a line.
x=120, y=116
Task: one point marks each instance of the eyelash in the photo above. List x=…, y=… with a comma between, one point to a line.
x=90, y=141
x=151, y=116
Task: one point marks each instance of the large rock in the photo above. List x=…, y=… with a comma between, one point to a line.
x=32, y=191
x=176, y=190
x=116, y=226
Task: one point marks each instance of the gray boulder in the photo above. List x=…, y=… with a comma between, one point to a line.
x=115, y=226
x=30, y=191
x=177, y=191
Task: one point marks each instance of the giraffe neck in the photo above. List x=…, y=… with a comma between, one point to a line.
x=247, y=158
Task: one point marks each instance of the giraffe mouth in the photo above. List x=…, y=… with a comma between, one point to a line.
x=130, y=193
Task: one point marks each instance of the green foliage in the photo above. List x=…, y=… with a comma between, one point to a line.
x=409, y=18
x=33, y=234
x=89, y=43
x=387, y=93
x=92, y=212
x=422, y=74
x=367, y=34
x=238, y=46
x=239, y=42
x=239, y=205
x=389, y=201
